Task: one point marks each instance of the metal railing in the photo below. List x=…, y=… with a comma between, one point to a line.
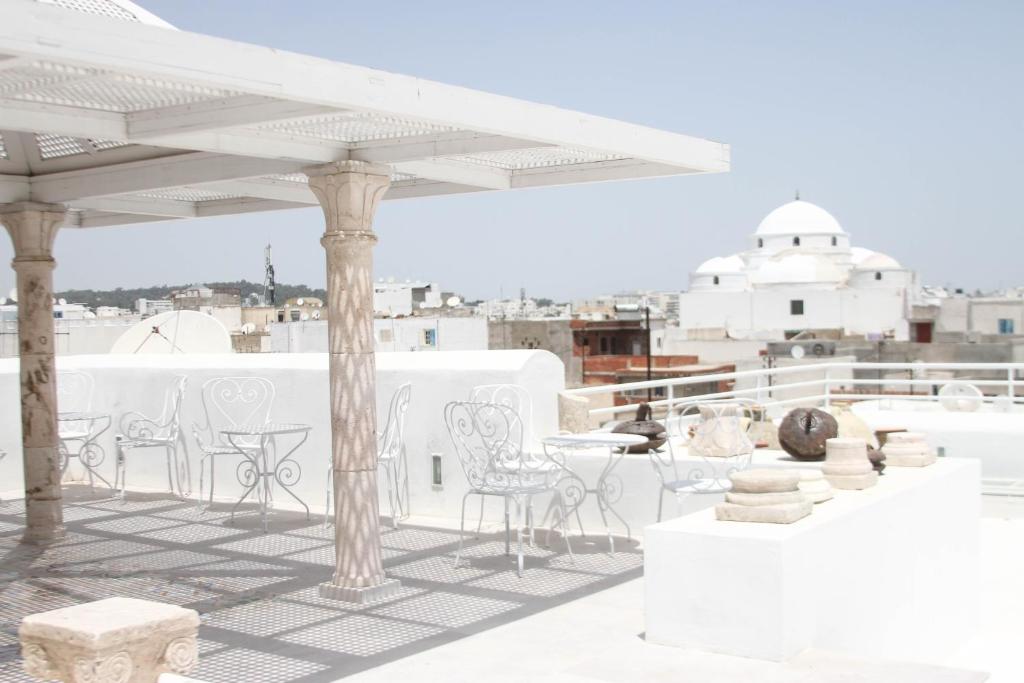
x=828, y=382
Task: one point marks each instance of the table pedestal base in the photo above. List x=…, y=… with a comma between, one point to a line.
x=360, y=596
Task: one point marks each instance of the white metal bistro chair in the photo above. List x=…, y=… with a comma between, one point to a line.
x=390, y=456
x=725, y=422
x=488, y=439
x=78, y=428
x=230, y=402
x=517, y=398
x=136, y=430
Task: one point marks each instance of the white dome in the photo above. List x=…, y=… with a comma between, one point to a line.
x=877, y=261
x=793, y=267
x=721, y=265
x=799, y=218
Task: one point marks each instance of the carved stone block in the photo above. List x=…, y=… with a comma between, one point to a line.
x=117, y=640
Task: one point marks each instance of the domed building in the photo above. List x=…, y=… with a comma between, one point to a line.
x=799, y=274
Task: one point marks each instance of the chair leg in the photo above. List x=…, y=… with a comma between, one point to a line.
x=661, y=500
x=508, y=533
x=480, y=522
x=529, y=519
x=330, y=485
x=212, y=477
x=120, y=471
x=519, y=536
x=389, y=480
x=462, y=527
x=564, y=523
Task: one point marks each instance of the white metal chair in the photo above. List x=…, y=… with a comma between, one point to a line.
x=136, y=430
x=390, y=456
x=78, y=438
x=230, y=402
x=488, y=439
x=711, y=474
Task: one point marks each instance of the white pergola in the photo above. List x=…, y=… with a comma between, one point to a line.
x=110, y=117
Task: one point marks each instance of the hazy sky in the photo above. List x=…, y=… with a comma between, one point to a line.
x=905, y=120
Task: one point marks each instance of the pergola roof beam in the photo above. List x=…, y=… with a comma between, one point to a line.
x=147, y=206
x=232, y=112
x=14, y=188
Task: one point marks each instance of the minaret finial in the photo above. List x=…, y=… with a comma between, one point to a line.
x=798, y=195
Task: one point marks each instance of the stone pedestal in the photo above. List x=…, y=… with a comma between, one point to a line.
x=349, y=193
x=117, y=640
x=887, y=573
x=721, y=432
x=763, y=495
x=908, y=449
x=815, y=486
x=847, y=465
x=33, y=228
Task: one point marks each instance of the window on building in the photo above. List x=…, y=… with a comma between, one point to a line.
x=295, y=315
x=835, y=241
x=430, y=337
x=760, y=242
x=878, y=276
x=796, y=306
x=387, y=335
x=1005, y=326
x=604, y=346
x=796, y=241
x=715, y=280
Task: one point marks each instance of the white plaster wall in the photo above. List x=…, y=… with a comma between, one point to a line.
x=129, y=382
x=985, y=315
x=72, y=337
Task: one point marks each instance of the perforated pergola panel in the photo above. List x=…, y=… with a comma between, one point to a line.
x=107, y=110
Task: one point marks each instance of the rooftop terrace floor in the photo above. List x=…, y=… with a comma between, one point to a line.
x=579, y=623
x=256, y=593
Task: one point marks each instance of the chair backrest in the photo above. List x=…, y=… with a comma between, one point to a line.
x=488, y=438
x=167, y=425
x=726, y=422
x=233, y=402
x=513, y=396
x=74, y=391
x=392, y=441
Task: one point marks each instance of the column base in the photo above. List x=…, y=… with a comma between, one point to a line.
x=360, y=596
x=44, y=537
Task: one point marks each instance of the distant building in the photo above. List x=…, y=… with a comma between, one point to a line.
x=800, y=274
x=148, y=307
x=414, y=333
x=396, y=299
x=224, y=304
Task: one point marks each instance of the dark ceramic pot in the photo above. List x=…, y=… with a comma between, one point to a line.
x=804, y=431
x=644, y=426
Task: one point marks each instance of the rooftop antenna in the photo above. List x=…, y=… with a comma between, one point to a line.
x=798, y=195
x=268, y=279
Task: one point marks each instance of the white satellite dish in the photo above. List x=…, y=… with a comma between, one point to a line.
x=248, y=328
x=13, y=294
x=316, y=315
x=62, y=301
x=3, y=301
x=797, y=351
x=453, y=301
x=305, y=317
x=175, y=332
x=423, y=304
x=960, y=397
x=299, y=302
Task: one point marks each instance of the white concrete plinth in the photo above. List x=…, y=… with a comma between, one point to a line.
x=887, y=572
x=362, y=595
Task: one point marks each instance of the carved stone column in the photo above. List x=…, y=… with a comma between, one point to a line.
x=33, y=228
x=349, y=193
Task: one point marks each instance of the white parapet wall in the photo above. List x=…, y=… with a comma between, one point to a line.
x=126, y=383
x=890, y=572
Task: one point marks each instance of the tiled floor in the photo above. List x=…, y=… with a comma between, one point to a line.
x=256, y=593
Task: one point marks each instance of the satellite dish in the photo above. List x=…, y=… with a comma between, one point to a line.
x=960, y=397
x=88, y=315
x=423, y=304
x=316, y=315
x=305, y=316
x=62, y=301
x=3, y=301
x=299, y=302
x=453, y=301
x=175, y=332
x=13, y=294
x=248, y=328
x=797, y=352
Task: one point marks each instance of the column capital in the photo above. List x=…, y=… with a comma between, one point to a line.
x=349, y=193
x=33, y=228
